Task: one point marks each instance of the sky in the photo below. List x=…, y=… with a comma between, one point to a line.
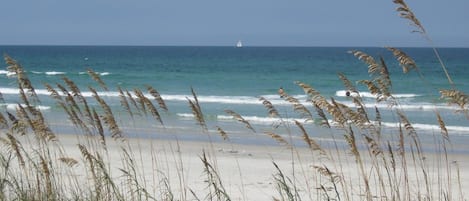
x=223, y=23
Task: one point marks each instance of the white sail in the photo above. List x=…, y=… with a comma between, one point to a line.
x=239, y=44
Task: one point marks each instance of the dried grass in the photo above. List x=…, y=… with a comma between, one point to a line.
x=270, y=108
x=97, y=78
x=23, y=81
x=108, y=116
x=454, y=96
x=441, y=123
x=406, y=12
x=312, y=144
x=406, y=62
x=38, y=177
x=297, y=106
x=278, y=138
x=239, y=118
x=222, y=133
x=197, y=111
x=124, y=102
x=158, y=98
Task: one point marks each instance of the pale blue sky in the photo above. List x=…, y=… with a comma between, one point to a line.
x=222, y=23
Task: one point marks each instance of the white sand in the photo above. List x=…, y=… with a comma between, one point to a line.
x=247, y=171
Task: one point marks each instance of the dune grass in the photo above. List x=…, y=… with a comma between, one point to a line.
x=35, y=165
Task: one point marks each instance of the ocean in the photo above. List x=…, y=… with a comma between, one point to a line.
x=229, y=78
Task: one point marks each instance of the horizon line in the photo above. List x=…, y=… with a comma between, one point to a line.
x=244, y=46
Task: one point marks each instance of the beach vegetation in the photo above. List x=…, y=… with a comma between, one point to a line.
x=359, y=163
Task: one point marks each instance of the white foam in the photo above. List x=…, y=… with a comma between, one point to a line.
x=101, y=93
x=252, y=100
x=342, y=93
x=54, y=73
x=185, y=115
x=14, y=106
x=99, y=73
x=13, y=91
x=215, y=99
x=430, y=127
x=262, y=120
x=7, y=73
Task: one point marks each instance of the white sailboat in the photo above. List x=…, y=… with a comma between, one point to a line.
x=239, y=44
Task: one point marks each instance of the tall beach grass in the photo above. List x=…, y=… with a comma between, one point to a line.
x=360, y=163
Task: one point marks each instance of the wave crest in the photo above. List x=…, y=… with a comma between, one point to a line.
x=341, y=93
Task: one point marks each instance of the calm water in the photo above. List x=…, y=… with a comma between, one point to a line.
x=234, y=78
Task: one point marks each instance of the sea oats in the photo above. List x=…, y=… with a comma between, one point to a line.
x=73, y=87
x=71, y=116
x=406, y=62
x=312, y=144
x=407, y=125
x=124, y=102
x=70, y=162
x=108, y=117
x=441, y=123
x=197, y=110
x=454, y=96
x=133, y=101
x=78, y=95
x=337, y=113
x=361, y=108
x=69, y=99
x=277, y=138
x=3, y=122
x=47, y=176
x=157, y=97
x=325, y=171
x=347, y=83
x=357, y=117
x=270, y=108
x=406, y=12
x=222, y=133
x=154, y=112
x=214, y=181
x=374, y=90
x=99, y=127
x=320, y=112
x=384, y=80
x=373, y=66
x=197, y=114
x=97, y=78
x=240, y=119
x=140, y=100
x=298, y=107
x=16, y=146
x=308, y=89
x=373, y=145
x=23, y=80
x=313, y=94
x=53, y=93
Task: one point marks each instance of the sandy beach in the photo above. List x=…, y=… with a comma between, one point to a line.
x=170, y=168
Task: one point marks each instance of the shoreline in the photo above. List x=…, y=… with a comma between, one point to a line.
x=327, y=138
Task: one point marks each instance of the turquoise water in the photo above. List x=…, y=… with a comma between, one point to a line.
x=234, y=78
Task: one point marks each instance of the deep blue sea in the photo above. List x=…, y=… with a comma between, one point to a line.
x=234, y=78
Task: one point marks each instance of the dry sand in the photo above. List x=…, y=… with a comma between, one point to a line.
x=247, y=171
